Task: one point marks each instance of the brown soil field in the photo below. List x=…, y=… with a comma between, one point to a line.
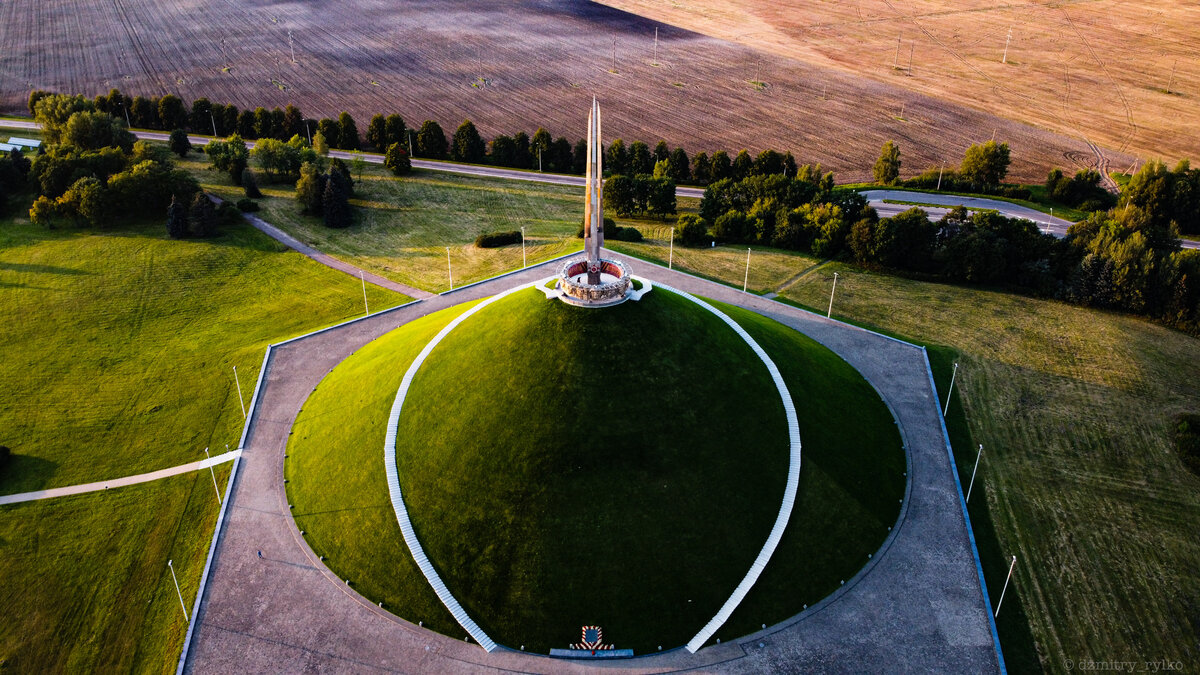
x=508, y=66
x=1123, y=75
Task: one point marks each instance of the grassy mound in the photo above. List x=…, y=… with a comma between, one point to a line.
x=541, y=521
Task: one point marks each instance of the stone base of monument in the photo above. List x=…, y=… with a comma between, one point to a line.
x=592, y=653
x=614, y=283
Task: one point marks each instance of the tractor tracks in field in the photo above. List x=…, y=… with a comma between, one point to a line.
x=134, y=42
x=1102, y=164
x=1101, y=160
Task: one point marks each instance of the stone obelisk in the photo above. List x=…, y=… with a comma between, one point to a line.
x=593, y=211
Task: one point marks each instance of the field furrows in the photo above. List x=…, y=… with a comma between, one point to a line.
x=509, y=67
x=1135, y=66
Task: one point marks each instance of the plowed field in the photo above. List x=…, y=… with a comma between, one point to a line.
x=506, y=65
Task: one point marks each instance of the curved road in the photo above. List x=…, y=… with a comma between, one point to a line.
x=916, y=606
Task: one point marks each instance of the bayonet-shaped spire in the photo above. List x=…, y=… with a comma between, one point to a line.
x=593, y=213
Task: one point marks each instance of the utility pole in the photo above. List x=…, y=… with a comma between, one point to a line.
x=366, y=309
x=214, y=121
x=170, y=563
x=214, y=477
x=1005, y=589
x=411, y=152
x=1172, y=80
x=911, y=48
x=671, y=255
x=308, y=131
x=950, y=390
x=1005, y=59
x=614, y=68
x=239, y=388
x=293, y=47
x=539, y=159
x=940, y=170
x=973, y=471
x=746, y=281
x=656, y=45
x=829, y=313
x=896, y=60
x=523, y=263
x=449, y=270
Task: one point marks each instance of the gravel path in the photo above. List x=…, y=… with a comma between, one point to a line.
x=918, y=605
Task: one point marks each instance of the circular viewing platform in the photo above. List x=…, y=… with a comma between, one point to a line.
x=614, y=287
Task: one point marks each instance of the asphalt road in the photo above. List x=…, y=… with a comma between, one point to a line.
x=1051, y=225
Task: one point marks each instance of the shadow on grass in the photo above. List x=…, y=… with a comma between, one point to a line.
x=26, y=473
x=40, y=269
x=1020, y=651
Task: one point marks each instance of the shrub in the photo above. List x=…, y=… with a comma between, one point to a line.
x=498, y=239
x=625, y=234
x=176, y=219
x=202, y=216
x=250, y=184
x=396, y=160
x=228, y=214
x=1187, y=442
x=179, y=142
x=692, y=230
x=247, y=205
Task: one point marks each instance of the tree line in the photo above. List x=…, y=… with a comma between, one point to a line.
x=1126, y=258
x=390, y=133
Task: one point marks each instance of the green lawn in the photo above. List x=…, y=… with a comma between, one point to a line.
x=770, y=268
x=119, y=347
x=121, y=344
x=404, y=225
x=1074, y=408
x=538, y=531
x=84, y=580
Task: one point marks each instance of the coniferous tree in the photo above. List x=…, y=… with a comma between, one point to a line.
x=579, y=157
x=504, y=151
x=721, y=167
x=336, y=202
x=397, y=132
x=468, y=146
x=521, y=150
x=743, y=165
x=177, y=219
x=431, y=141
x=661, y=151
x=250, y=184
x=180, y=145
x=679, y=170
x=348, y=139
x=171, y=114
x=701, y=168
x=293, y=122
x=202, y=216
x=377, y=132
x=640, y=159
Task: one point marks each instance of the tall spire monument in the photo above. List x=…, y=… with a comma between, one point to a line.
x=594, y=281
x=593, y=210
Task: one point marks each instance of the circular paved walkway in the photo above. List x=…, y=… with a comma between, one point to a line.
x=916, y=607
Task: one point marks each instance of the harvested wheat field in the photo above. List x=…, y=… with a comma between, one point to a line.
x=1122, y=75
x=508, y=66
